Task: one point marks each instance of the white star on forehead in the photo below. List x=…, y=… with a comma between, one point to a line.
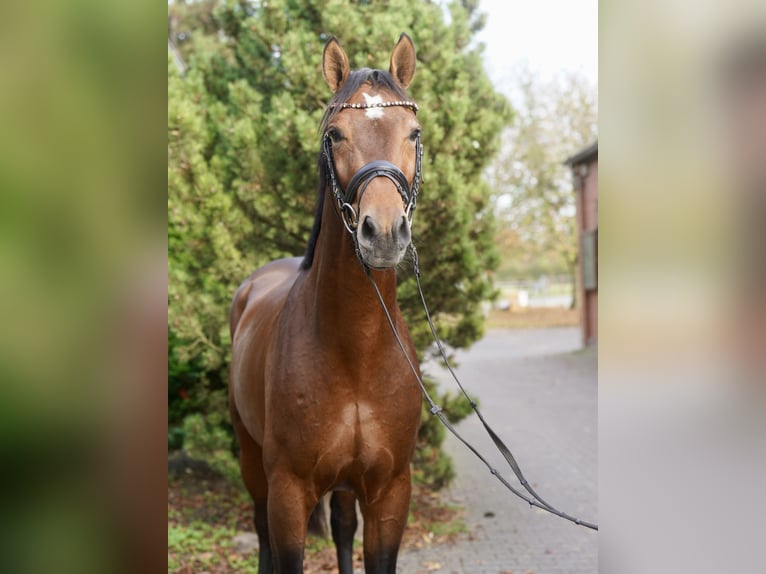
x=373, y=113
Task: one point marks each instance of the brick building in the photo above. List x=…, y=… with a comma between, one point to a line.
x=584, y=166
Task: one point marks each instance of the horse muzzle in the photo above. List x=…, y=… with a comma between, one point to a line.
x=382, y=228
x=383, y=236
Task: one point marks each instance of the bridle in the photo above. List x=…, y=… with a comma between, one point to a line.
x=378, y=168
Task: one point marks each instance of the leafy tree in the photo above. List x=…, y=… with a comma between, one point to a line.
x=555, y=118
x=242, y=153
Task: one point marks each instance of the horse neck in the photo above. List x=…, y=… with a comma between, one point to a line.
x=344, y=305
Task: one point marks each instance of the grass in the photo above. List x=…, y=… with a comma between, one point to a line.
x=447, y=529
x=511, y=292
x=533, y=317
x=206, y=512
x=202, y=547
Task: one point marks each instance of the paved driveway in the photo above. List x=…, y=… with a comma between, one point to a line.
x=539, y=393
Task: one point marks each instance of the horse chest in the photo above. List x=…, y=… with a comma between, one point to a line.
x=353, y=416
x=366, y=442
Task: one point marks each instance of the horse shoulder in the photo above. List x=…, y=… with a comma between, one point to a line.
x=255, y=309
x=268, y=283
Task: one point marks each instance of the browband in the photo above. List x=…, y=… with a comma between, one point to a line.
x=404, y=103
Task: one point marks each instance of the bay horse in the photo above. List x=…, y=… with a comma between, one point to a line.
x=322, y=399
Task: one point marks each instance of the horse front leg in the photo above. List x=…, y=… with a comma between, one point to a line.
x=254, y=477
x=289, y=507
x=384, y=523
x=343, y=522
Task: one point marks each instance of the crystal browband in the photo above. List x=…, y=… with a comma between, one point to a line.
x=405, y=103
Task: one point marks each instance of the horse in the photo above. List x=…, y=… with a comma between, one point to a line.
x=322, y=400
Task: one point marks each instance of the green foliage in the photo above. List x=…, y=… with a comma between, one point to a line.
x=206, y=439
x=242, y=153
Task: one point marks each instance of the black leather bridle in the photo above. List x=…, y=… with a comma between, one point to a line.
x=378, y=168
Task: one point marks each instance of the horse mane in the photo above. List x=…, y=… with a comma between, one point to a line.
x=377, y=79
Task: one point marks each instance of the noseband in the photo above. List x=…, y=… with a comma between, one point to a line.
x=378, y=168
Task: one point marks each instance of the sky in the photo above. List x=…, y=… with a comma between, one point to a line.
x=550, y=35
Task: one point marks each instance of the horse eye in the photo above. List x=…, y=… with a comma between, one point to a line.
x=335, y=135
x=415, y=134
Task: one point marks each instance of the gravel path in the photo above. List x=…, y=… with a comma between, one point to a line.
x=539, y=392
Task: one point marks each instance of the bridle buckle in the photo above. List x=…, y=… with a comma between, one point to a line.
x=349, y=217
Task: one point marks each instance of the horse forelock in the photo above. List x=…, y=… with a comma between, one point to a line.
x=378, y=79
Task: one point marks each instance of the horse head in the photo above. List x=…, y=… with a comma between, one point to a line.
x=371, y=143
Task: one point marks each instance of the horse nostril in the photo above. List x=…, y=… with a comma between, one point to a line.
x=368, y=228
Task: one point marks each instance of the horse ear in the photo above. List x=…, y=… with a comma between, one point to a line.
x=335, y=67
x=403, y=61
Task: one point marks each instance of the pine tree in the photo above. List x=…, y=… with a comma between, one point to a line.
x=242, y=153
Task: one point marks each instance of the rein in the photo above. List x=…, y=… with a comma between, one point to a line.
x=435, y=409
x=359, y=182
